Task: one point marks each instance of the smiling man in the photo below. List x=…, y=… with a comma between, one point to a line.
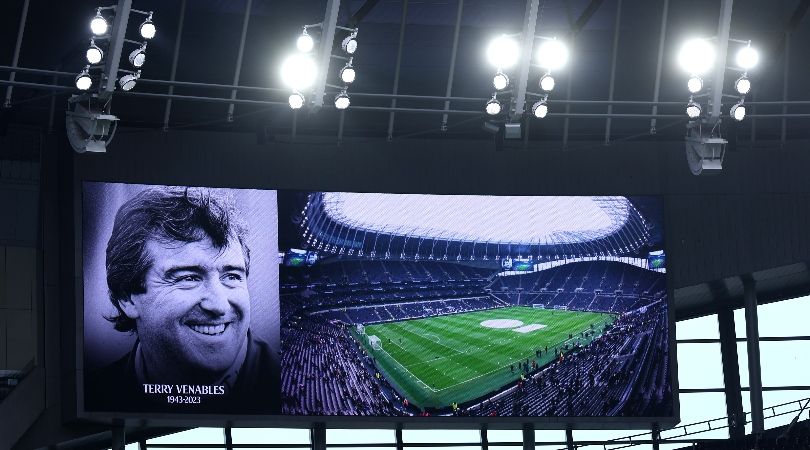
x=177, y=271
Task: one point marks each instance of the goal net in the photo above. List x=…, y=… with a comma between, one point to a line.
x=361, y=330
x=375, y=343
x=538, y=306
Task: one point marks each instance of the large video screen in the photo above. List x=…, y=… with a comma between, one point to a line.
x=415, y=308
x=301, y=304
x=181, y=311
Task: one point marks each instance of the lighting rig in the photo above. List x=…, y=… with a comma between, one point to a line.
x=705, y=146
x=504, y=53
x=300, y=72
x=90, y=125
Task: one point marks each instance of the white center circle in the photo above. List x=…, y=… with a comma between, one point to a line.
x=501, y=323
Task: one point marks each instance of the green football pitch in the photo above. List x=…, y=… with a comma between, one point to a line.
x=460, y=357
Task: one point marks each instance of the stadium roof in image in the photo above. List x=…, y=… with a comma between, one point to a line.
x=562, y=220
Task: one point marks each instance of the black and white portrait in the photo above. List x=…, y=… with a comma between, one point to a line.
x=181, y=305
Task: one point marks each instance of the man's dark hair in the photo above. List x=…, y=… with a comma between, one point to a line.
x=164, y=214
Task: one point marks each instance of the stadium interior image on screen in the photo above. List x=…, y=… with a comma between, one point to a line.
x=417, y=305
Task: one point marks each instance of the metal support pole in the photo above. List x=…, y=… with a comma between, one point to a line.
x=449, y=89
x=785, y=85
x=117, y=37
x=396, y=69
x=239, y=56
x=484, y=438
x=569, y=438
x=731, y=373
x=752, y=341
x=340, y=127
x=656, y=436
x=528, y=436
x=723, y=30
x=142, y=445
x=616, y=26
x=16, y=58
x=318, y=436
x=661, y=40
x=325, y=56
x=228, y=438
x=529, y=24
x=119, y=437
x=398, y=433
x=167, y=113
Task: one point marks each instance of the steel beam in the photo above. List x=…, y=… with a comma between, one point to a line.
x=119, y=31
x=786, y=69
x=16, y=58
x=238, y=70
x=176, y=55
x=661, y=39
x=325, y=55
x=731, y=372
x=453, y=54
x=397, y=68
x=752, y=341
x=527, y=45
x=723, y=30
x=616, y=26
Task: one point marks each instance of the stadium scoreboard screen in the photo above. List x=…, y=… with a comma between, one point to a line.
x=226, y=302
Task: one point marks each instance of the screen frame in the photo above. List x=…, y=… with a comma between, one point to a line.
x=248, y=420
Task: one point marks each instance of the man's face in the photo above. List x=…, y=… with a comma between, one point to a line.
x=195, y=312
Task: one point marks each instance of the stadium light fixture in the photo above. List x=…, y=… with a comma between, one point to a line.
x=298, y=72
x=349, y=44
x=696, y=56
x=128, y=81
x=552, y=55
x=138, y=56
x=693, y=109
x=347, y=73
x=98, y=24
x=503, y=52
x=500, y=81
x=305, y=43
x=747, y=58
x=83, y=80
x=547, y=82
x=342, y=100
x=296, y=100
x=94, y=54
x=540, y=109
x=493, y=107
x=695, y=84
x=742, y=85
x=147, y=28
x=738, y=111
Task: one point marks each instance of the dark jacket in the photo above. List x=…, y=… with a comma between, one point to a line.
x=257, y=390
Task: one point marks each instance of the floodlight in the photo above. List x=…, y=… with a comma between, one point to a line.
x=296, y=100
x=500, y=81
x=347, y=73
x=693, y=109
x=349, y=44
x=342, y=100
x=540, y=109
x=547, y=83
x=83, y=80
x=552, y=55
x=493, y=107
x=503, y=52
x=128, y=81
x=94, y=54
x=747, y=58
x=695, y=84
x=138, y=56
x=738, y=111
x=98, y=25
x=147, y=28
x=305, y=43
x=742, y=85
x=696, y=56
x=298, y=71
